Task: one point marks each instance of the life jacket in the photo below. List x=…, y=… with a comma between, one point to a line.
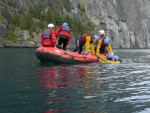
x=47, y=38
x=65, y=28
x=63, y=31
x=83, y=37
x=103, y=45
x=47, y=34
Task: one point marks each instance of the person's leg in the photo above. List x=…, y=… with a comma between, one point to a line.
x=105, y=51
x=64, y=41
x=102, y=50
x=81, y=44
x=59, y=42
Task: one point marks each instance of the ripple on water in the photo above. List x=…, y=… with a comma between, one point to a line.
x=135, y=99
x=146, y=110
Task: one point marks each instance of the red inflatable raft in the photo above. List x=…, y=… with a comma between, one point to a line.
x=56, y=55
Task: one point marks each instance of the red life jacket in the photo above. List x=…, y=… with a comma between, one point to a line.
x=46, y=38
x=63, y=30
x=103, y=45
x=46, y=42
x=84, y=39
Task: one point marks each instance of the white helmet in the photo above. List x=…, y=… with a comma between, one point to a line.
x=51, y=25
x=102, y=32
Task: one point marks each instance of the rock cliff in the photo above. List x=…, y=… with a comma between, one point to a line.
x=126, y=22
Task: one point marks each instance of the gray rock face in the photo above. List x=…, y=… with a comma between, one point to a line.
x=126, y=22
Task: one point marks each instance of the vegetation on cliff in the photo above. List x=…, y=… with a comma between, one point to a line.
x=35, y=19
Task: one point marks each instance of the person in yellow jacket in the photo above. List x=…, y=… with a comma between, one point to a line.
x=110, y=58
x=87, y=40
x=103, y=45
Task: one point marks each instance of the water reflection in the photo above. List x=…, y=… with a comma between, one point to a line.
x=54, y=77
x=85, y=76
x=84, y=88
x=66, y=86
x=97, y=87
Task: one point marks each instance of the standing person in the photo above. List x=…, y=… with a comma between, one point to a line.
x=48, y=37
x=87, y=40
x=103, y=44
x=63, y=32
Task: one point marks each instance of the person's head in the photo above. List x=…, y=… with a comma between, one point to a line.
x=116, y=57
x=50, y=25
x=110, y=56
x=95, y=38
x=106, y=41
x=102, y=32
x=65, y=24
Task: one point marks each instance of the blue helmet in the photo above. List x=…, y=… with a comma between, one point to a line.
x=116, y=57
x=110, y=55
x=65, y=24
x=96, y=37
x=106, y=41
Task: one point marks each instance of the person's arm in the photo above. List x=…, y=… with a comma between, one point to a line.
x=58, y=31
x=42, y=37
x=101, y=58
x=98, y=47
x=110, y=49
x=87, y=44
x=93, y=48
x=53, y=37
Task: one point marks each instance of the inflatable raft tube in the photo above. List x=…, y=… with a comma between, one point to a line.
x=51, y=54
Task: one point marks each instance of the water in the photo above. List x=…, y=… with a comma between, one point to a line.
x=28, y=86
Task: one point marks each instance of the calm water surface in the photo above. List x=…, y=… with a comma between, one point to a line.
x=28, y=86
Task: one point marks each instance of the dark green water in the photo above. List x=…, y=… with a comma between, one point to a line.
x=28, y=86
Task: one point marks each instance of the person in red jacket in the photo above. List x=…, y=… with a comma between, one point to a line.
x=48, y=37
x=63, y=32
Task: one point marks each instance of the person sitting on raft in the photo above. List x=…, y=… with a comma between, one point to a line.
x=85, y=39
x=48, y=37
